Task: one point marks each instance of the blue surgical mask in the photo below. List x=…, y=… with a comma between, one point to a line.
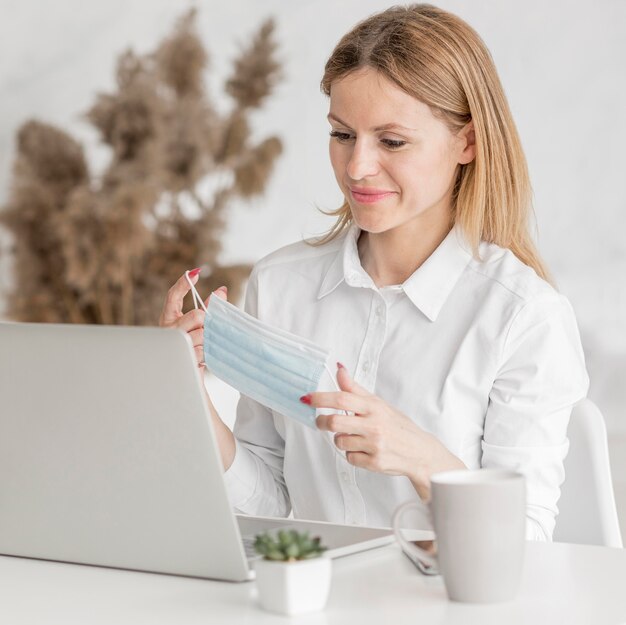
x=265, y=363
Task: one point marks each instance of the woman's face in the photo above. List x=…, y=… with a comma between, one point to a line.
x=393, y=159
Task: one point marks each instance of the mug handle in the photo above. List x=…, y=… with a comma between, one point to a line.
x=417, y=554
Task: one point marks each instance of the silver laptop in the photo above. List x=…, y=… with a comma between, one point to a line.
x=108, y=457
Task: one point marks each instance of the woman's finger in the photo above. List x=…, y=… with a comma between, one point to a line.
x=173, y=307
x=342, y=423
x=338, y=400
x=197, y=337
x=347, y=383
x=353, y=442
x=221, y=292
x=199, y=352
x=190, y=321
x=359, y=459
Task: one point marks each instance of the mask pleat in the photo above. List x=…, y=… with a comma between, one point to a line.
x=298, y=344
x=273, y=367
x=261, y=360
x=292, y=357
x=250, y=381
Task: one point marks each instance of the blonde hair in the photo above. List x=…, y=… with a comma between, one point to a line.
x=437, y=58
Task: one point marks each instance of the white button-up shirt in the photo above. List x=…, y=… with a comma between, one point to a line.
x=483, y=354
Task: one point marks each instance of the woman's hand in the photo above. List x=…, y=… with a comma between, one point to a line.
x=191, y=322
x=380, y=438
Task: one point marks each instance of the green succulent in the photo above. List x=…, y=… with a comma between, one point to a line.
x=288, y=546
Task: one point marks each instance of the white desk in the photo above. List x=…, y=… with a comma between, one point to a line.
x=562, y=585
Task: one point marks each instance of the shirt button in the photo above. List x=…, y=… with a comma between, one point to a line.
x=344, y=477
x=366, y=366
x=380, y=311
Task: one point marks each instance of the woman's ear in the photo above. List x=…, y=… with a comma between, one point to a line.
x=467, y=137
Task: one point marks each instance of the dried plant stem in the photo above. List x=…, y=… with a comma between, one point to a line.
x=104, y=307
x=71, y=305
x=127, y=298
x=72, y=309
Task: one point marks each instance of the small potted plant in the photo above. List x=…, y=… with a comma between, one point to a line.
x=293, y=576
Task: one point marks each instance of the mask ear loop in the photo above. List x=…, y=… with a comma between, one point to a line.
x=196, y=296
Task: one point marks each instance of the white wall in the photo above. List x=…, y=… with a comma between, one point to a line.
x=562, y=64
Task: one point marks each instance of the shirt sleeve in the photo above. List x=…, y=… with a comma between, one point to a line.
x=254, y=481
x=541, y=377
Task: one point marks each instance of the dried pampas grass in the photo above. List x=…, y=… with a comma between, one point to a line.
x=106, y=250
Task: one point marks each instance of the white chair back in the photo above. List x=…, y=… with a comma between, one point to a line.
x=587, y=512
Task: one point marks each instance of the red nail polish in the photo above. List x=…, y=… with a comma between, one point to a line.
x=194, y=272
x=340, y=366
x=306, y=399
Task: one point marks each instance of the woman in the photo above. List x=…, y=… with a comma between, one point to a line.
x=456, y=350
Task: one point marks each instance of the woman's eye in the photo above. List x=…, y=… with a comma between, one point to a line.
x=393, y=144
x=344, y=137
x=340, y=136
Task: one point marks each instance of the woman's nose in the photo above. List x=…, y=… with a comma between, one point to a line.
x=363, y=161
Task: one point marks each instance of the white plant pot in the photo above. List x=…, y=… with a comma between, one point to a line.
x=293, y=587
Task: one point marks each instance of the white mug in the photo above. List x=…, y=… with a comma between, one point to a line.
x=479, y=521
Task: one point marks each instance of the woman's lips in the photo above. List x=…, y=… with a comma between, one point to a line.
x=369, y=196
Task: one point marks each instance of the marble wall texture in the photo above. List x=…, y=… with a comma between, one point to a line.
x=563, y=65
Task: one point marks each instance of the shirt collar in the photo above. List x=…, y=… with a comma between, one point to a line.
x=346, y=266
x=427, y=287
x=430, y=284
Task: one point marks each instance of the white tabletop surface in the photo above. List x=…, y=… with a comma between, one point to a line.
x=562, y=584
